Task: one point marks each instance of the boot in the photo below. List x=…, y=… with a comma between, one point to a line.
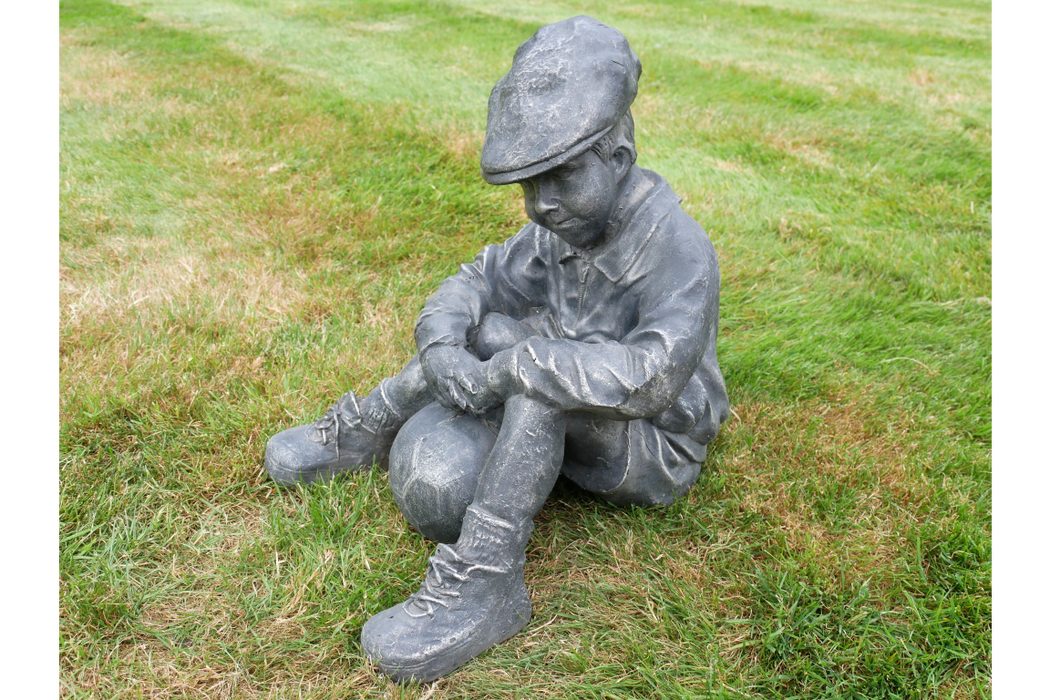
x=473, y=598
x=351, y=435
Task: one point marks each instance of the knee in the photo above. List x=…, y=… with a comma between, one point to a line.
x=435, y=463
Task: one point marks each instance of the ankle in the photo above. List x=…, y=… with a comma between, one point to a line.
x=380, y=414
x=489, y=539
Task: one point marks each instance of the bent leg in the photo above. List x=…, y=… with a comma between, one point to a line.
x=438, y=455
x=524, y=462
x=474, y=594
x=630, y=462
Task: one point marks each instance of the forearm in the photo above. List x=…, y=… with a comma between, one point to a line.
x=610, y=379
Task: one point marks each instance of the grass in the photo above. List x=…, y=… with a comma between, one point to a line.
x=257, y=197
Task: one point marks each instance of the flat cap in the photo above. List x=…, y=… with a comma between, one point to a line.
x=567, y=87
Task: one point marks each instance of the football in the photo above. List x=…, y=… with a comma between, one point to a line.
x=434, y=466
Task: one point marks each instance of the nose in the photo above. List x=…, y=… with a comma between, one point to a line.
x=546, y=202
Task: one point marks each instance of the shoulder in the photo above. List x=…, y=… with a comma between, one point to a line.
x=531, y=239
x=678, y=243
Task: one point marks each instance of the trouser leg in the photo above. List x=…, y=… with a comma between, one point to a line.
x=525, y=461
x=630, y=462
x=398, y=398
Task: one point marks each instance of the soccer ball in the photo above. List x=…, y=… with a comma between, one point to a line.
x=435, y=462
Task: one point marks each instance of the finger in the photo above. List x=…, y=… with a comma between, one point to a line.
x=470, y=386
x=458, y=397
x=441, y=393
x=437, y=390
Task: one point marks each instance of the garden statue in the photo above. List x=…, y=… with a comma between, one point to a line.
x=583, y=346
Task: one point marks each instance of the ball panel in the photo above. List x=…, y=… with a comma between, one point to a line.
x=435, y=462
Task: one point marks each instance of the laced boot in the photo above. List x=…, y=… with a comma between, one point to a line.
x=473, y=598
x=353, y=434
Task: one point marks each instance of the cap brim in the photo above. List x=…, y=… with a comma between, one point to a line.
x=512, y=176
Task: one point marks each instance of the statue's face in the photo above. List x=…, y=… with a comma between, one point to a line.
x=575, y=199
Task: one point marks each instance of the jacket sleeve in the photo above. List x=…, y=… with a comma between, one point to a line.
x=509, y=278
x=641, y=375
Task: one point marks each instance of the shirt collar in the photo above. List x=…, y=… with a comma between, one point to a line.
x=626, y=232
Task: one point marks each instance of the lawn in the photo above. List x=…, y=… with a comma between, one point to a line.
x=258, y=195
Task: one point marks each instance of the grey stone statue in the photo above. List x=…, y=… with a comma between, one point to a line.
x=582, y=346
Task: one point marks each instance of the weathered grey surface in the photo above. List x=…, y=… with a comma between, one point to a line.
x=568, y=86
x=473, y=598
x=585, y=344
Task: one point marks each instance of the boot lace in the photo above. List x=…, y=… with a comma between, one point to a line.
x=445, y=571
x=344, y=413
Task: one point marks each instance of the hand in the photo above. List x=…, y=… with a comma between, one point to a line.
x=458, y=379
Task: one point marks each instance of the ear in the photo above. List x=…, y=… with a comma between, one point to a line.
x=621, y=162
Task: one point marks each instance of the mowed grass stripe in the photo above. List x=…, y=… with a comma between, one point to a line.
x=229, y=267
x=752, y=150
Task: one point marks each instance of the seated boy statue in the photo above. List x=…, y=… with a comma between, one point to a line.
x=586, y=342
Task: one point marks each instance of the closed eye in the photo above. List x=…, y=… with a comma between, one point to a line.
x=562, y=174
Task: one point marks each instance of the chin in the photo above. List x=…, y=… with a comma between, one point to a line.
x=575, y=237
x=588, y=241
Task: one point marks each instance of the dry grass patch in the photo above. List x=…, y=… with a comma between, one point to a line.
x=730, y=166
x=172, y=281
x=806, y=148
x=96, y=77
x=828, y=495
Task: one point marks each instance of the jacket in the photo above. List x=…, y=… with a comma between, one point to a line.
x=626, y=330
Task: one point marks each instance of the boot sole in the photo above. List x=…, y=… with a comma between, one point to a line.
x=452, y=658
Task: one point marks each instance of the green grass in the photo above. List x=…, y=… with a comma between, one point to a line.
x=256, y=199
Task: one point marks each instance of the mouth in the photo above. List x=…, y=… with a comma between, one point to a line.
x=561, y=223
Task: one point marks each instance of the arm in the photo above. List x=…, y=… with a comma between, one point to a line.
x=642, y=374
x=508, y=278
